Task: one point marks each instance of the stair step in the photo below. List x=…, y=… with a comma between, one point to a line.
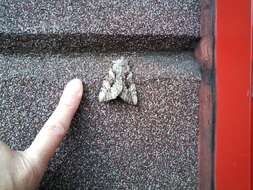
x=98, y=25
x=153, y=145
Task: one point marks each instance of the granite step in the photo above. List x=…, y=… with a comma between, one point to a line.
x=153, y=145
x=78, y=26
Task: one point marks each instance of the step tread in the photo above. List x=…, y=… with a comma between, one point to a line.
x=110, y=146
x=144, y=17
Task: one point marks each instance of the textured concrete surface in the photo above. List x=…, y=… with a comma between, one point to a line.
x=78, y=25
x=110, y=145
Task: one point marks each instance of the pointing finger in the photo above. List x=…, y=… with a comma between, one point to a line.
x=52, y=133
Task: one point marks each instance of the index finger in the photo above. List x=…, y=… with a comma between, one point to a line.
x=52, y=133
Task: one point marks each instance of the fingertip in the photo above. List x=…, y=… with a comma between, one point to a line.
x=75, y=86
x=72, y=93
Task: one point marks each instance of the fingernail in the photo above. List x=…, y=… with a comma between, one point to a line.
x=74, y=86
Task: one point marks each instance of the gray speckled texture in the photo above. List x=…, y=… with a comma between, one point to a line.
x=110, y=145
x=137, y=25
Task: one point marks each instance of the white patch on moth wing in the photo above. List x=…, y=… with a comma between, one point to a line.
x=129, y=95
x=135, y=100
x=101, y=96
x=125, y=95
x=130, y=78
x=133, y=91
x=111, y=76
x=104, y=90
x=116, y=89
x=106, y=84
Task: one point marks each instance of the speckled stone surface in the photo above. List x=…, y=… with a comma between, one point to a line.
x=97, y=24
x=110, y=145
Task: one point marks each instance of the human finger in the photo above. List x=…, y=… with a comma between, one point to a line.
x=52, y=133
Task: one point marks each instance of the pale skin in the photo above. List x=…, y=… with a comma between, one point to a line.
x=25, y=169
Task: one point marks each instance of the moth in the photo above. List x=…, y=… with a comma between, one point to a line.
x=119, y=83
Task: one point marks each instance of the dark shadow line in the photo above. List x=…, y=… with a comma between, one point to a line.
x=70, y=43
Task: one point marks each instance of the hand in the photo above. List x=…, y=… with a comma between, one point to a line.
x=25, y=169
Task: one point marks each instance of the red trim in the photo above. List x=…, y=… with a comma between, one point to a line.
x=251, y=95
x=233, y=88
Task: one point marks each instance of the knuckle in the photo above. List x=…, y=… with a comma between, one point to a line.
x=56, y=128
x=68, y=103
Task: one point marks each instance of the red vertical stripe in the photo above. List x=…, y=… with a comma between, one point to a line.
x=233, y=85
